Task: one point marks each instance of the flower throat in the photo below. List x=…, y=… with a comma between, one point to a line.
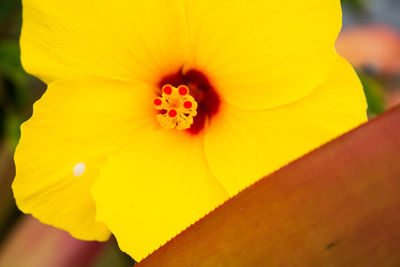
x=186, y=101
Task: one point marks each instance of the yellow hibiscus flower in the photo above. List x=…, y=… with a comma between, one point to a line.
x=252, y=85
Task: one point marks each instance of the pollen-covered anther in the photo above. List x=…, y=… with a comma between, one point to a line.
x=177, y=107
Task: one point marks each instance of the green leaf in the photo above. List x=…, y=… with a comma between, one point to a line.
x=374, y=94
x=12, y=71
x=7, y=6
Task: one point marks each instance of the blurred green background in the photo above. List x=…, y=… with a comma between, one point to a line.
x=370, y=40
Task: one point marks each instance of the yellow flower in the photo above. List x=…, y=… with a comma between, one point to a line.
x=265, y=86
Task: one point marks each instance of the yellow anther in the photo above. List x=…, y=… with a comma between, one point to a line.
x=178, y=107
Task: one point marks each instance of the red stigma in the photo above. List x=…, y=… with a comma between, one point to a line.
x=183, y=90
x=172, y=113
x=187, y=104
x=167, y=90
x=157, y=102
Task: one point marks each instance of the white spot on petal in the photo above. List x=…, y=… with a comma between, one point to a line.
x=79, y=169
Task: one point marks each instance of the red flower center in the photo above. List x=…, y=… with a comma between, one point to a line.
x=201, y=90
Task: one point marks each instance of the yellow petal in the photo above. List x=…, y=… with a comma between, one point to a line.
x=242, y=146
x=74, y=127
x=155, y=188
x=123, y=38
x=261, y=54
